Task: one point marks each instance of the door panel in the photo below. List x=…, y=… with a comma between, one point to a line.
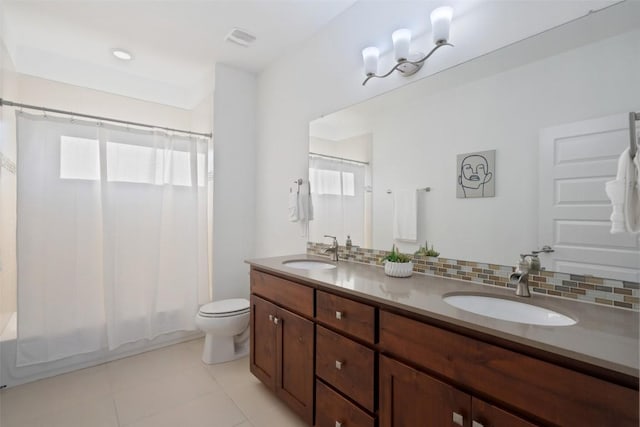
x=576, y=160
x=409, y=398
x=294, y=339
x=263, y=341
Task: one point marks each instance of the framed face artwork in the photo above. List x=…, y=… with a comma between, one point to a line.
x=476, y=174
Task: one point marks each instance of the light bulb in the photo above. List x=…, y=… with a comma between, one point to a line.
x=441, y=23
x=370, y=56
x=401, y=41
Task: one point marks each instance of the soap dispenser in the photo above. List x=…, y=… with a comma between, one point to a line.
x=348, y=244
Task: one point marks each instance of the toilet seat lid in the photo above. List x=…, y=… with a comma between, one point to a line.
x=226, y=306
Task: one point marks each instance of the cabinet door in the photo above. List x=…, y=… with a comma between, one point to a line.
x=294, y=378
x=410, y=398
x=486, y=415
x=263, y=341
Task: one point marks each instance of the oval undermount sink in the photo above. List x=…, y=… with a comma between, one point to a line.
x=306, y=264
x=505, y=309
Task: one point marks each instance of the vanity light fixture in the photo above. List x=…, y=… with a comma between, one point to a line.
x=122, y=54
x=408, y=63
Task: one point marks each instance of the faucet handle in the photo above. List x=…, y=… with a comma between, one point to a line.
x=546, y=249
x=531, y=261
x=335, y=239
x=534, y=254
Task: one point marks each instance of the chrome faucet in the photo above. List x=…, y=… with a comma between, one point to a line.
x=333, y=248
x=529, y=263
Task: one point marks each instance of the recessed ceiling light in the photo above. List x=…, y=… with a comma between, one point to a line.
x=122, y=54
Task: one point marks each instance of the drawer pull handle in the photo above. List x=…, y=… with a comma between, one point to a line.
x=338, y=424
x=339, y=365
x=458, y=419
x=476, y=424
x=339, y=315
x=271, y=318
x=275, y=320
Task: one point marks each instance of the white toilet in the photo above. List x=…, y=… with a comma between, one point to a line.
x=226, y=325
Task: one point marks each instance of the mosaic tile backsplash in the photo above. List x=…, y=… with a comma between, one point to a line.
x=616, y=293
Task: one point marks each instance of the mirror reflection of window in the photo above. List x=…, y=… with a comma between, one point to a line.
x=339, y=199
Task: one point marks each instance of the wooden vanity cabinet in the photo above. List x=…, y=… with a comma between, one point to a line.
x=346, y=362
x=537, y=389
x=410, y=398
x=341, y=362
x=282, y=342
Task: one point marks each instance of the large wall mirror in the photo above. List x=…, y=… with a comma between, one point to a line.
x=553, y=112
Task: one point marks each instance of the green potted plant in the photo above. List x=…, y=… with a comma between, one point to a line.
x=397, y=264
x=427, y=252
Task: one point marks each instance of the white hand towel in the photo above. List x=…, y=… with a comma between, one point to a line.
x=405, y=216
x=624, y=195
x=294, y=208
x=632, y=197
x=309, y=204
x=302, y=207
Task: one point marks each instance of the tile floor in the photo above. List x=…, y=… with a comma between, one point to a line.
x=165, y=387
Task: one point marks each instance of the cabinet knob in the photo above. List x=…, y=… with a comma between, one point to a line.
x=474, y=423
x=338, y=424
x=339, y=315
x=271, y=318
x=458, y=419
x=275, y=320
x=339, y=365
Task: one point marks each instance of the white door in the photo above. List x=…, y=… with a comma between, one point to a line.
x=576, y=160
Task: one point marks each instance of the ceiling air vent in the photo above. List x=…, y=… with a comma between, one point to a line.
x=240, y=37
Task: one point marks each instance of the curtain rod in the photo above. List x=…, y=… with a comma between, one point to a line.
x=325, y=156
x=106, y=119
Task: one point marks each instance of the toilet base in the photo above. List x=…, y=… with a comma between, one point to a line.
x=223, y=349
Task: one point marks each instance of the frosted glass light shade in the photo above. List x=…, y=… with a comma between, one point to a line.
x=370, y=57
x=401, y=41
x=441, y=23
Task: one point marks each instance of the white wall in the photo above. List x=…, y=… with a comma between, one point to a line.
x=325, y=75
x=354, y=148
x=234, y=180
x=416, y=146
x=48, y=93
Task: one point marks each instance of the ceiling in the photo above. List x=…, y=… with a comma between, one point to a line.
x=175, y=43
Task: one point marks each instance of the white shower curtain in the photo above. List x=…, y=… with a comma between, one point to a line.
x=112, y=235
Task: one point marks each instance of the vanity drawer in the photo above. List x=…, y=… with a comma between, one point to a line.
x=346, y=365
x=297, y=298
x=334, y=410
x=547, y=391
x=351, y=317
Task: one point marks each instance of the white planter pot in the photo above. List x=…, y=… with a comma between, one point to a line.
x=398, y=269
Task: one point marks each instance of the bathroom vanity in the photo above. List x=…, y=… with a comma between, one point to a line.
x=350, y=346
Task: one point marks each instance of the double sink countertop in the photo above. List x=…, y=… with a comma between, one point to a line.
x=606, y=338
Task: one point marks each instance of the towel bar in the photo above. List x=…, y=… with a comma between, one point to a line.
x=425, y=189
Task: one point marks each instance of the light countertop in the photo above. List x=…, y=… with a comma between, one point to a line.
x=604, y=337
